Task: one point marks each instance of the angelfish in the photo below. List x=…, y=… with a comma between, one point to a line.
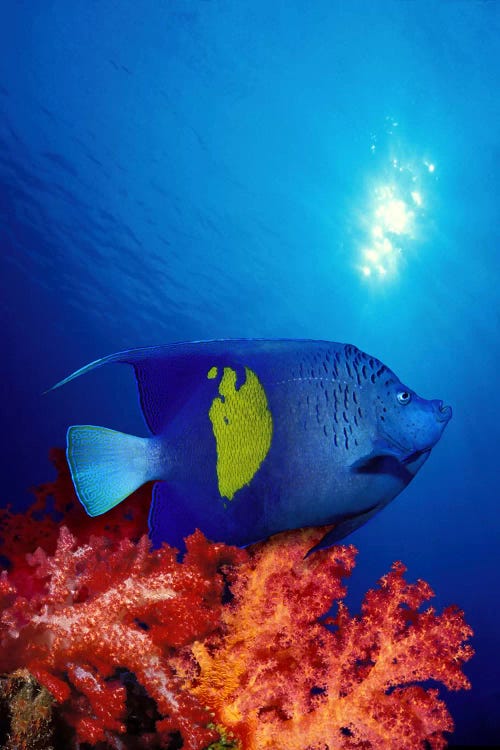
x=253, y=437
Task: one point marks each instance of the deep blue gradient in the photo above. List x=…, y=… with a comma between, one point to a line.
x=185, y=170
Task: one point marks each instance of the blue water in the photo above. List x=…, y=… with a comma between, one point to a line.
x=185, y=170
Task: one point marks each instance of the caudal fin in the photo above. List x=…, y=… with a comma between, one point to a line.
x=106, y=466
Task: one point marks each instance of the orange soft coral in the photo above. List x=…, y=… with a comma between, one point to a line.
x=280, y=678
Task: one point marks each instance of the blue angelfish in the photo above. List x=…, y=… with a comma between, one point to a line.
x=253, y=437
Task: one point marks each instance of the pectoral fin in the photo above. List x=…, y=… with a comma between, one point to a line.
x=381, y=450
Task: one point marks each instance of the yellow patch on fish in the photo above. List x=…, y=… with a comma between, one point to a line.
x=243, y=428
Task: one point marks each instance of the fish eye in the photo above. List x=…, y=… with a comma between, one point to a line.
x=404, y=397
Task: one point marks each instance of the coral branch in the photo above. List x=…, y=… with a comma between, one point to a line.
x=280, y=673
x=105, y=606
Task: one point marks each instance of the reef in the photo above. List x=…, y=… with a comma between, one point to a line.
x=107, y=643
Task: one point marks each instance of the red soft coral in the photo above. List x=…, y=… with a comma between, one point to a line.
x=104, y=606
x=22, y=533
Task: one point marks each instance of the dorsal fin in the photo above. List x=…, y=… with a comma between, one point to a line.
x=165, y=383
x=167, y=375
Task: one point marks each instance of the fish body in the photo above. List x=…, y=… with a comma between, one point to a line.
x=254, y=437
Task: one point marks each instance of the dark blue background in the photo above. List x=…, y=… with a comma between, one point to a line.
x=185, y=170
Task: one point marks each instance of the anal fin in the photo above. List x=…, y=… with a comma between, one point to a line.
x=343, y=528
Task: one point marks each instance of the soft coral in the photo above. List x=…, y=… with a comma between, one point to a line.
x=225, y=635
x=86, y=605
x=107, y=605
x=280, y=673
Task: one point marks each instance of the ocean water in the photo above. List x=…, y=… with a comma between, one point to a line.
x=187, y=170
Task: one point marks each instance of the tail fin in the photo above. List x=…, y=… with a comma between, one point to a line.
x=107, y=466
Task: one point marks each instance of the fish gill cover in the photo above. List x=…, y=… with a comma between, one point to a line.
x=106, y=643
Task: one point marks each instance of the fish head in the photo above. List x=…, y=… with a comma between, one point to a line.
x=407, y=423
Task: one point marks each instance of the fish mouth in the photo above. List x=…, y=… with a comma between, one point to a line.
x=444, y=413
